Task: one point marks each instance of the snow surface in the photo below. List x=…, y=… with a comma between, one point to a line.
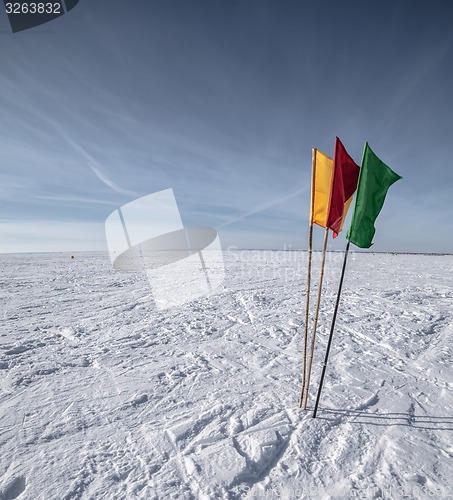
x=104, y=396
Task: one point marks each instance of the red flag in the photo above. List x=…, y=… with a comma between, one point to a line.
x=345, y=175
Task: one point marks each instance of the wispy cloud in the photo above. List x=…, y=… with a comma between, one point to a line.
x=228, y=119
x=76, y=199
x=95, y=166
x=265, y=206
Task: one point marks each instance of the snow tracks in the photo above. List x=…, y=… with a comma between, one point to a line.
x=103, y=396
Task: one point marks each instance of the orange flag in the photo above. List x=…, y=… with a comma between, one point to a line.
x=321, y=178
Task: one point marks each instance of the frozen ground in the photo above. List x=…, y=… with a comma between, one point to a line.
x=103, y=396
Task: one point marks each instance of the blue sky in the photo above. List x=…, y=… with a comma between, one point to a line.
x=222, y=101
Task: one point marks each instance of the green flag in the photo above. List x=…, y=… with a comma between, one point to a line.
x=374, y=180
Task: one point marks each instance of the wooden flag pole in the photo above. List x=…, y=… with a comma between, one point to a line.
x=315, y=324
x=307, y=302
x=329, y=343
x=307, y=296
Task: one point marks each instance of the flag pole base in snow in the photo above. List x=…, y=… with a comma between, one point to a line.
x=332, y=328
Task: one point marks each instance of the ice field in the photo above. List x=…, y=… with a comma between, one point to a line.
x=104, y=396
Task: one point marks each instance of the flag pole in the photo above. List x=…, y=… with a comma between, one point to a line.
x=315, y=324
x=329, y=343
x=307, y=295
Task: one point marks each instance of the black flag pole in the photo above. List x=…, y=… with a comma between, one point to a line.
x=329, y=343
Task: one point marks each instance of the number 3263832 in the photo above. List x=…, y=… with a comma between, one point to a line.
x=33, y=8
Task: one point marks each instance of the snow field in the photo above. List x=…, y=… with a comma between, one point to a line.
x=104, y=396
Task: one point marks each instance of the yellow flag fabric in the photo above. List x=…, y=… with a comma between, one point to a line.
x=346, y=208
x=321, y=178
